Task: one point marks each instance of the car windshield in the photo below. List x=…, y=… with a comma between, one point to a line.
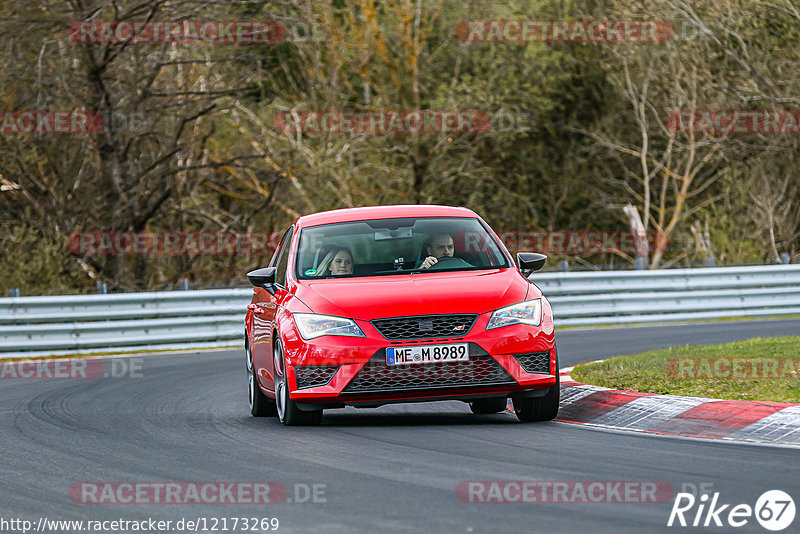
x=396, y=246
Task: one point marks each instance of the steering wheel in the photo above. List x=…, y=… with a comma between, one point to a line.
x=448, y=262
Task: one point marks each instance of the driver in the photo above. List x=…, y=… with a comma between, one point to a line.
x=440, y=246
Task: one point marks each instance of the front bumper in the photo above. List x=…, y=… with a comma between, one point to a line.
x=334, y=371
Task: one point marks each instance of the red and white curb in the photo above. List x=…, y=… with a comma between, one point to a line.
x=674, y=415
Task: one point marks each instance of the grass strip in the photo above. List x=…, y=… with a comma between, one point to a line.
x=760, y=369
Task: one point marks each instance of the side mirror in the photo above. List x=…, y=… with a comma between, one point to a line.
x=263, y=278
x=530, y=262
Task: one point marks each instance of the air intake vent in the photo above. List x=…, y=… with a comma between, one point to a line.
x=538, y=362
x=311, y=376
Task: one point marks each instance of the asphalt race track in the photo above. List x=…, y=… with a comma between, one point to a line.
x=392, y=469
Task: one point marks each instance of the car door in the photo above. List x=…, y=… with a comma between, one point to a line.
x=264, y=315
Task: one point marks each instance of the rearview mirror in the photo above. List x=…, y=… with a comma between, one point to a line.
x=530, y=262
x=264, y=278
x=399, y=233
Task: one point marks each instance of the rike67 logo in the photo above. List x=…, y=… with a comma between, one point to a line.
x=774, y=510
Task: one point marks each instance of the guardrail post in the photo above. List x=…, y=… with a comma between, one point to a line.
x=710, y=262
x=785, y=259
x=183, y=284
x=102, y=288
x=639, y=263
x=563, y=266
x=13, y=292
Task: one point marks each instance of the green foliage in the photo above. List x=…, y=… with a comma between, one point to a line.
x=36, y=262
x=209, y=158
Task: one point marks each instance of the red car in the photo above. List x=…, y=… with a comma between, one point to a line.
x=370, y=306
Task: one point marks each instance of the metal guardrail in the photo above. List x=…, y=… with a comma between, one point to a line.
x=624, y=297
x=135, y=321
x=26, y=310
x=128, y=321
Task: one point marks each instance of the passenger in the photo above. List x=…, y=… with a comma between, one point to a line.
x=438, y=246
x=337, y=262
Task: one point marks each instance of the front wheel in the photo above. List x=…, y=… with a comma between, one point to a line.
x=260, y=404
x=532, y=409
x=288, y=412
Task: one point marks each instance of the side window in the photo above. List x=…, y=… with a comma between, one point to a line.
x=282, y=259
x=274, y=260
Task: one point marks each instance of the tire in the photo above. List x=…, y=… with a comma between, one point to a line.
x=288, y=412
x=260, y=404
x=486, y=406
x=535, y=409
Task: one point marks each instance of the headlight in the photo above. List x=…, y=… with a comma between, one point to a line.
x=528, y=312
x=312, y=325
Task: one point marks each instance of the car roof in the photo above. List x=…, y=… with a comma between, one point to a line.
x=382, y=212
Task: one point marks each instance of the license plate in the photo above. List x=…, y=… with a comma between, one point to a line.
x=427, y=354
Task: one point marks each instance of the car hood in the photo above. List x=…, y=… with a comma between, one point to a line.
x=376, y=297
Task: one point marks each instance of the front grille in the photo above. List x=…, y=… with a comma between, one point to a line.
x=376, y=376
x=310, y=376
x=538, y=362
x=425, y=326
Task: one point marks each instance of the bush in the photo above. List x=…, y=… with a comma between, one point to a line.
x=38, y=263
